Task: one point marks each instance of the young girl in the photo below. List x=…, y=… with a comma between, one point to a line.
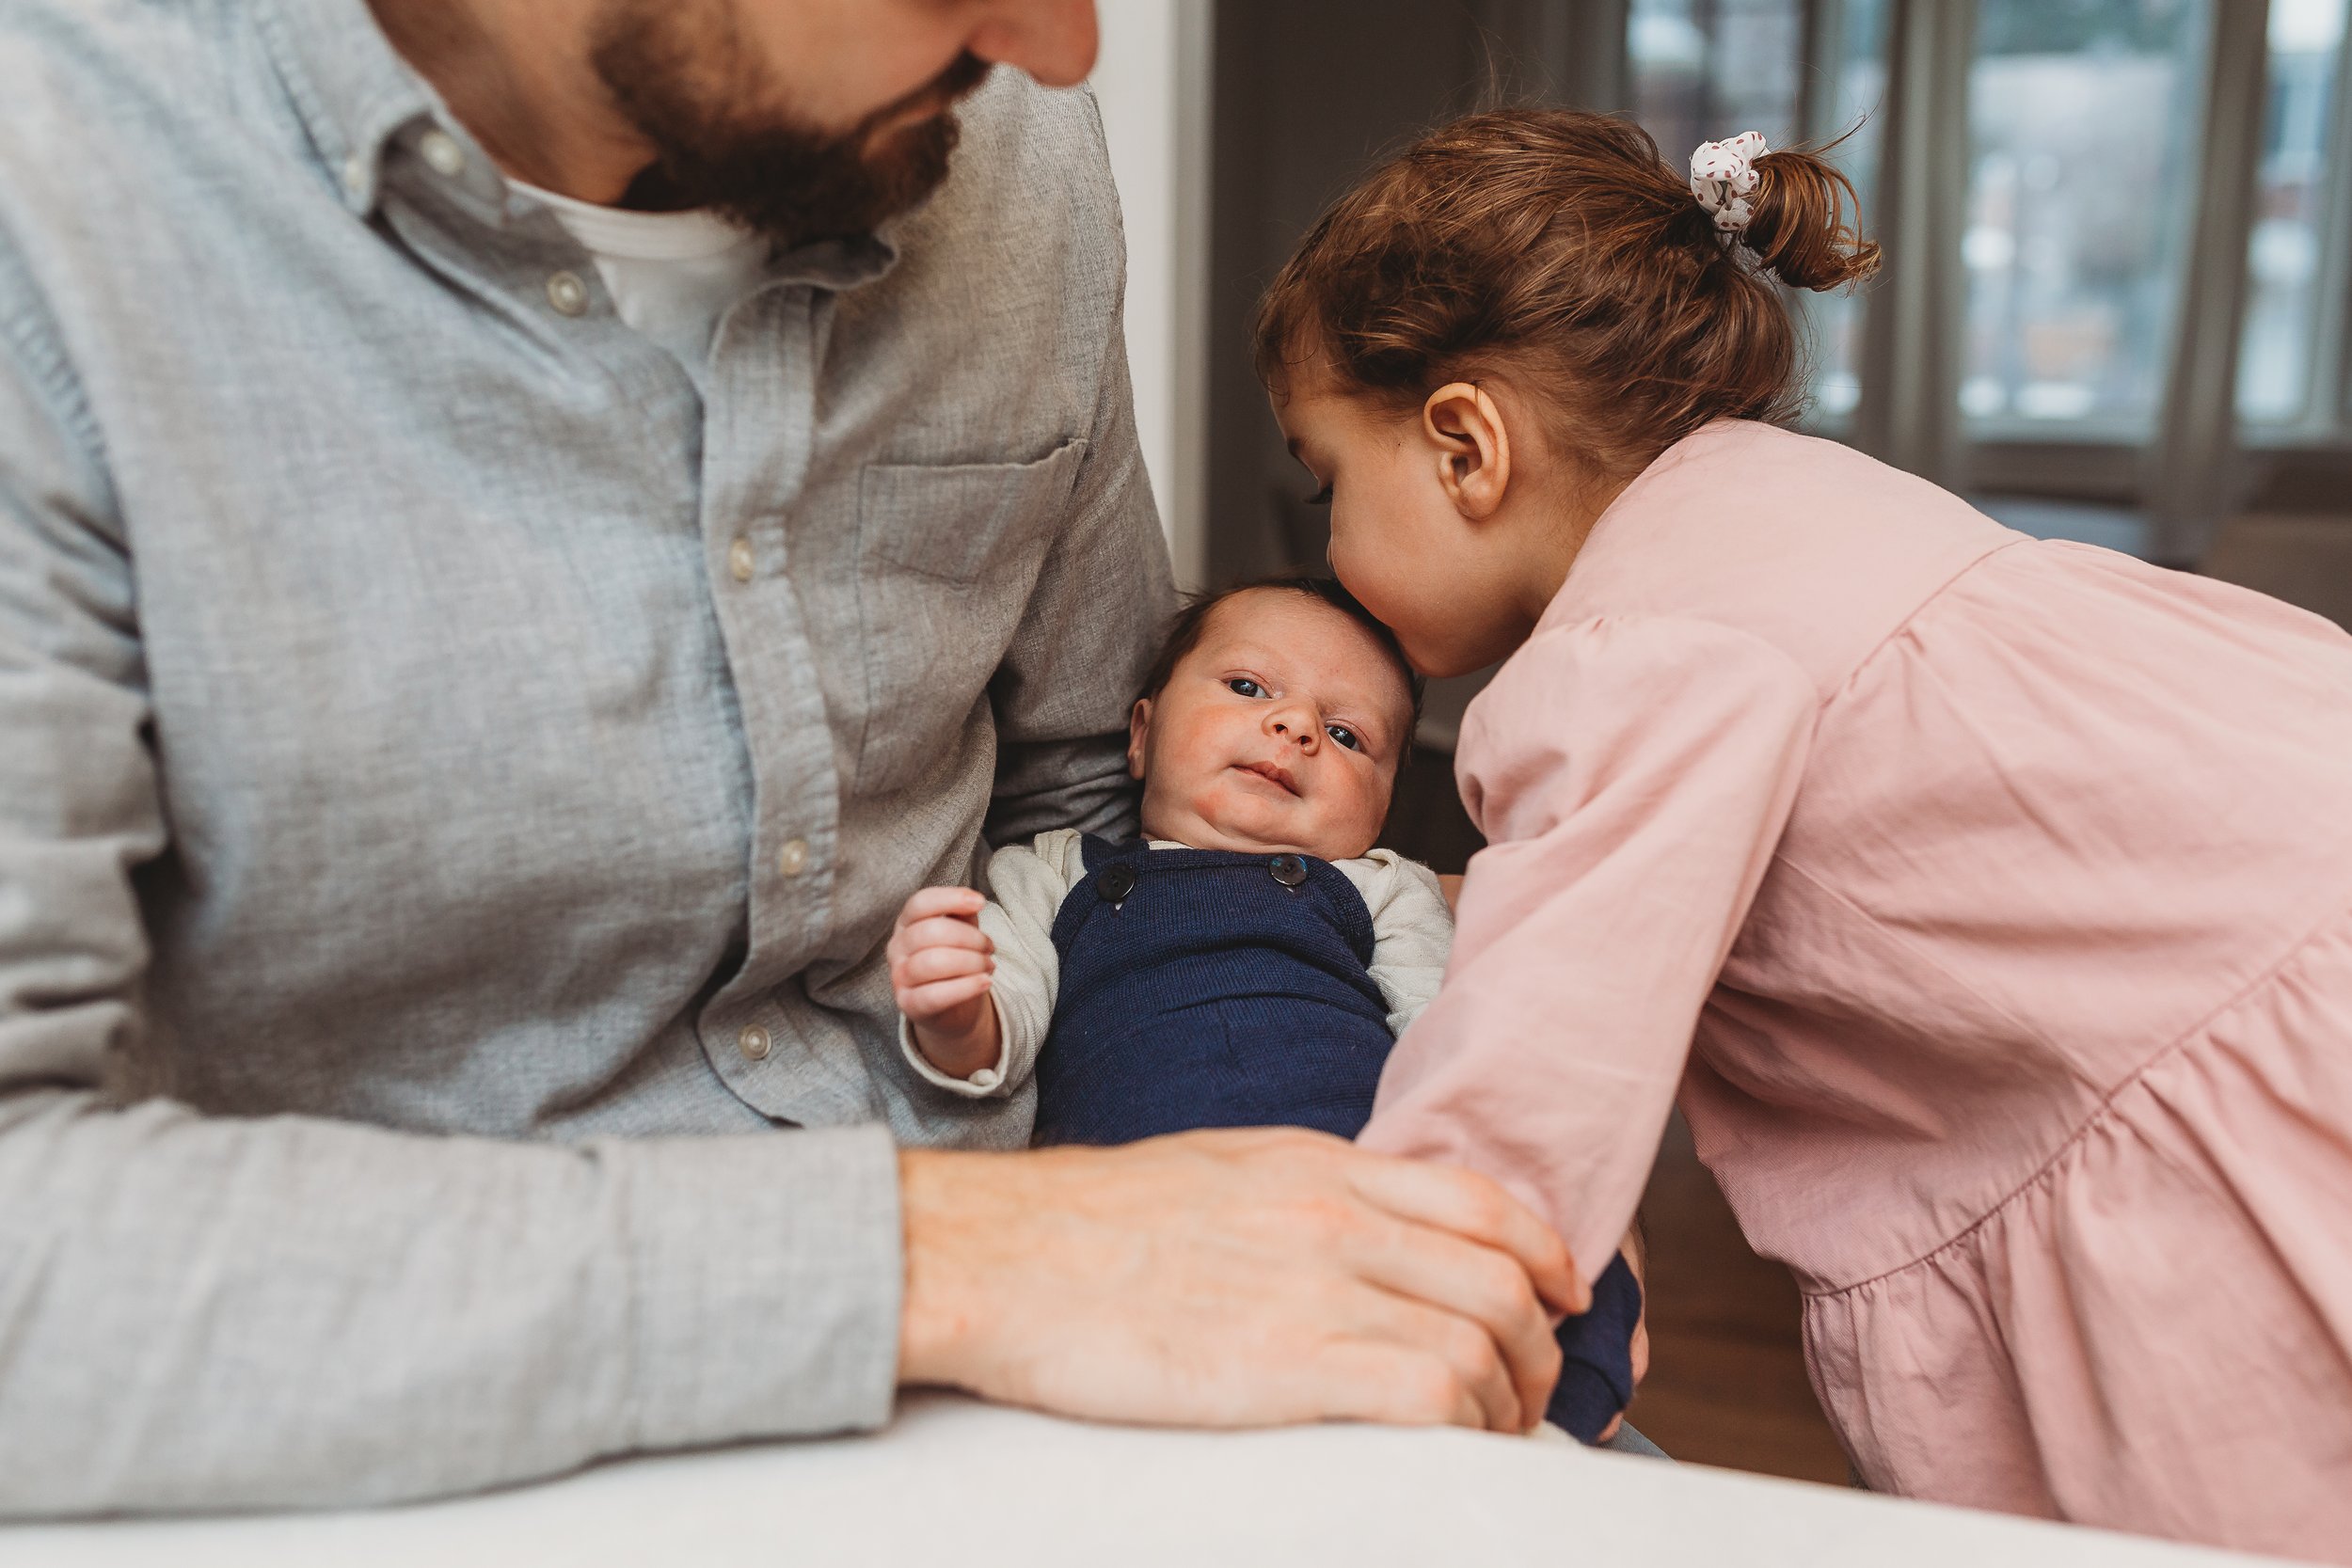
x=1990, y=901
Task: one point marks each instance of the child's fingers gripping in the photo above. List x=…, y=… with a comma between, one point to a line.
x=927, y=964
x=913, y=935
x=930, y=1001
x=944, y=931
x=959, y=903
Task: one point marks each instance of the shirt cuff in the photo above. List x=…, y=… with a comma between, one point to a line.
x=983, y=1083
x=767, y=1272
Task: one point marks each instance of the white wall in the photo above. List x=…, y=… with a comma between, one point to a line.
x=1152, y=81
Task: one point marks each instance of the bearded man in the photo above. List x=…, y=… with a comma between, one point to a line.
x=527, y=529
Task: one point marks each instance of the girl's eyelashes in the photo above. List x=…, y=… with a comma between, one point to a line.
x=1321, y=498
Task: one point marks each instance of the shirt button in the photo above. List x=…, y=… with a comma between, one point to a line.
x=793, y=858
x=1289, y=870
x=567, y=294
x=356, y=176
x=442, y=154
x=743, y=561
x=984, y=1079
x=1114, y=883
x=753, y=1043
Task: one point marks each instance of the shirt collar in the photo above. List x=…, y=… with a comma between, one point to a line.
x=355, y=94
x=350, y=86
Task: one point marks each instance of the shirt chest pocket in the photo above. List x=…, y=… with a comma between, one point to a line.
x=948, y=554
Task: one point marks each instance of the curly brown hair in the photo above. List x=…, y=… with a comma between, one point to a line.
x=1558, y=247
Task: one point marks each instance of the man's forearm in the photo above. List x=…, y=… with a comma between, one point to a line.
x=1078, y=784
x=218, y=1314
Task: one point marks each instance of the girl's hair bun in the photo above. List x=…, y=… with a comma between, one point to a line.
x=1805, y=231
x=1559, y=248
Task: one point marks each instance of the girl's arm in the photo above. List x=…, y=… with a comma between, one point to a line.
x=1633, y=778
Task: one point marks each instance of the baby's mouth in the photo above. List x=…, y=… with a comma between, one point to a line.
x=1273, y=772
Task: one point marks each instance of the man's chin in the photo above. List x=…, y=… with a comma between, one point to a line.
x=896, y=135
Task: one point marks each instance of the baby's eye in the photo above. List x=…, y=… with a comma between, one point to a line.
x=1242, y=685
x=1344, y=735
x=1321, y=498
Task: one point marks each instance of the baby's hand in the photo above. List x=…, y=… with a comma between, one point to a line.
x=940, y=967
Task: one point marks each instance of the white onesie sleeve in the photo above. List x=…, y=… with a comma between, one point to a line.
x=1413, y=930
x=1026, y=888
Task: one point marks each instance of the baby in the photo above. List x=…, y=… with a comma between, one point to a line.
x=1249, y=963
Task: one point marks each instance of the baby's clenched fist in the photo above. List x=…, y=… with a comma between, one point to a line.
x=940, y=967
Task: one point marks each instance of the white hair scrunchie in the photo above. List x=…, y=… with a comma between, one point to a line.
x=1723, y=177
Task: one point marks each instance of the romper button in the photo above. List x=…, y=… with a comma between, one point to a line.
x=1289, y=870
x=1115, y=884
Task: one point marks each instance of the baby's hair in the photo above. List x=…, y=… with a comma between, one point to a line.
x=1193, y=619
x=1557, y=249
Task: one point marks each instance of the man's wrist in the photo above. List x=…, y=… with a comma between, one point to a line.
x=939, y=1192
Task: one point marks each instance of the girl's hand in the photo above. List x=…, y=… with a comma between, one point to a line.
x=940, y=967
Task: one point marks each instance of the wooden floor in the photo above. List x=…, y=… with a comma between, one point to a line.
x=1726, y=1383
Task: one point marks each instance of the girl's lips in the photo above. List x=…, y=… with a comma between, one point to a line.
x=1273, y=772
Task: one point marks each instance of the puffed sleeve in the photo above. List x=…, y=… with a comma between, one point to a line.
x=1633, y=778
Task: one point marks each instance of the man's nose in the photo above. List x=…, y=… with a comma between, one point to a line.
x=1054, y=41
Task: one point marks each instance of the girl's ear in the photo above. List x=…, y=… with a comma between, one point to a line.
x=1472, y=447
x=1139, y=735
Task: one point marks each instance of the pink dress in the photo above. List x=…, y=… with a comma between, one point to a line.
x=1989, y=902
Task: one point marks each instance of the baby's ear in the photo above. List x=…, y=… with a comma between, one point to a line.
x=1139, y=735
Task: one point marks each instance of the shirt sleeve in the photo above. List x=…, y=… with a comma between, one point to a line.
x=209, y=1313
x=1413, y=930
x=1101, y=603
x=1632, y=779
x=1026, y=885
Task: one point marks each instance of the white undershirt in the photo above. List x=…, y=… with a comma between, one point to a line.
x=671, y=275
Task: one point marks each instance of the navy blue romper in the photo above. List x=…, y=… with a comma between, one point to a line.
x=1207, y=989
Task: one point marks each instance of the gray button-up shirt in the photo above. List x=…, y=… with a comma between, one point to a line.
x=457, y=774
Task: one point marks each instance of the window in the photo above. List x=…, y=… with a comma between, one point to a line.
x=2055, y=156
x=2083, y=136
x=1704, y=69
x=1849, y=111
x=2286, y=246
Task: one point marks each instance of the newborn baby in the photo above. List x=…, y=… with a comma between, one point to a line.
x=1252, y=960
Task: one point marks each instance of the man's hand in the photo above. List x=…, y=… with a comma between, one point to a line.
x=1230, y=1279
x=940, y=967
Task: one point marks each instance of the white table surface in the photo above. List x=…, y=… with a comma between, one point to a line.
x=966, y=1485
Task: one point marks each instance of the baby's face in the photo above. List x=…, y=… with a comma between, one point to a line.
x=1281, y=730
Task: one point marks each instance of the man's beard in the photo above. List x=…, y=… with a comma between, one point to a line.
x=684, y=78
